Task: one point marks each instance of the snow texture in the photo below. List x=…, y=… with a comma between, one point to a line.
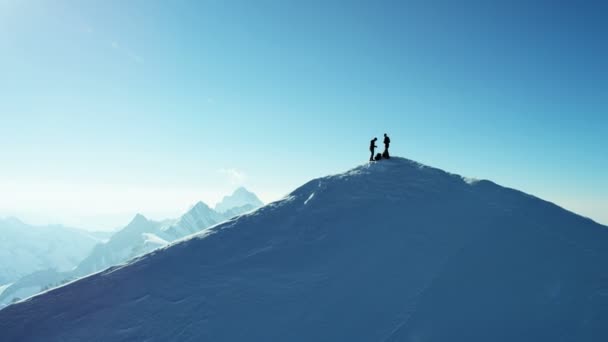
x=388, y=251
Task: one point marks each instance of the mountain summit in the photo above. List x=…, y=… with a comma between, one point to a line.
x=240, y=198
x=200, y=216
x=388, y=251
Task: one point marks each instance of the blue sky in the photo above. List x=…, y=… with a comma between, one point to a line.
x=115, y=107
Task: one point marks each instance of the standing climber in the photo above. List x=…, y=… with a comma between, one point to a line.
x=387, y=142
x=372, y=147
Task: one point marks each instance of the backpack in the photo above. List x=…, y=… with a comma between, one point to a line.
x=378, y=157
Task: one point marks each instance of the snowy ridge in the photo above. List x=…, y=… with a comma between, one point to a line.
x=196, y=219
x=388, y=251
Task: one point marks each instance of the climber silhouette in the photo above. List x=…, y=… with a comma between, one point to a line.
x=372, y=147
x=387, y=142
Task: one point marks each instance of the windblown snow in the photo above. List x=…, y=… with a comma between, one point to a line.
x=389, y=251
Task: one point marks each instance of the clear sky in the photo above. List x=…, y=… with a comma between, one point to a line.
x=108, y=108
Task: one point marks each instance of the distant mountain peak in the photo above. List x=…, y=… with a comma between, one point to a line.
x=137, y=219
x=200, y=205
x=240, y=197
x=241, y=190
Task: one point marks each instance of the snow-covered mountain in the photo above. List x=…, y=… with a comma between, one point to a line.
x=241, y=198
x=195, y=220
x=33, y=283
x=135, y=239
x=140, y=236
x=388, y=251
x=25, y=248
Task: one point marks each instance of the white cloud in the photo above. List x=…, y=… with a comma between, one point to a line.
x=236, y=177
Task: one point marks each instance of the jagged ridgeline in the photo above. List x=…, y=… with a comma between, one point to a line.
x=140, y=236
x=390, y=251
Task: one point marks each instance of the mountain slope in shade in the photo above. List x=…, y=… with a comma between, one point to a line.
x=240, y=198
x=389, y=251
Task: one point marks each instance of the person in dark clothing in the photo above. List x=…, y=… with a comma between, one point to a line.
x=372, y=147
x=387, y=142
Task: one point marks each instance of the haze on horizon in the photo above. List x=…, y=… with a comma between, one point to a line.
x=112, y=108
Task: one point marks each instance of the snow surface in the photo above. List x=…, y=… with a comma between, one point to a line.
x=388, y=251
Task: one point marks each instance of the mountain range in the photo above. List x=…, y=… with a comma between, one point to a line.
x=26, y=248
x=388, y=251
x=140, y=236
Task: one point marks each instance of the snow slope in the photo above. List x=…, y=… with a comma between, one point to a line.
x=389, y=251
